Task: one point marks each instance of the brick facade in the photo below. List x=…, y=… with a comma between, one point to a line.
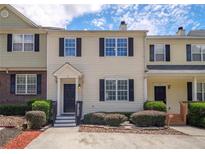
x=7, y=97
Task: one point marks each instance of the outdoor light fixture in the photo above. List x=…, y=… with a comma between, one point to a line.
x=79, y=86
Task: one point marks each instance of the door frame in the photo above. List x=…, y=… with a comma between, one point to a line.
x=62, y=112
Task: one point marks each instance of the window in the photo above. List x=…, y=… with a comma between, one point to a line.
x=116, y=90
x=23, y=42
x=198, y=52
x=116, y=46
x=159, y=50
x=70, y=47
x=201, y=91
x=26, y=83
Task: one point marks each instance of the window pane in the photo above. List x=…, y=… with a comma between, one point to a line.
x=110, y=47
x=159, y=52
x=122, y=42
x=199, y=87
x=21, y=89
x=31, y=89
x=28, y=39
x=17, y=38
x=110, y=87
x=21, y=79
x=70, y=47
x=122, y=95
x=110, y=84
x=122, y=51
x=20, y=84
x=111, y=95
x=196, y=53
x=122, y=85
x=31, y=79
x=17, y=46
x=28, y=47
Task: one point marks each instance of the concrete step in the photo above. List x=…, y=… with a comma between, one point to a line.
x=64, y=124
x=65, y=121
x=65, y=118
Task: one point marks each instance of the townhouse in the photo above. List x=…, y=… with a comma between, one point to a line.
x=112, y=71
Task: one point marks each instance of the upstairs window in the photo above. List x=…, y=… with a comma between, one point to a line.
x=116, y=90
x=159, y=51
x=23, y=42
x=26, y=84
x=70, y=47
x=198, y=52
x=201, y=91
x=116, y=46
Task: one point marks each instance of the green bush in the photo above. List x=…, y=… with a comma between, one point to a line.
x=196, y=114
x=36, y=119
x=87, y=118
x=148, y=118
x=155, y=105
x=127, y=114
x=10, y=110
x=115, y=119
x=95, y=118
x=42, y=106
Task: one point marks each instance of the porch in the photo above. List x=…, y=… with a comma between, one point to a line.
x=69, y=95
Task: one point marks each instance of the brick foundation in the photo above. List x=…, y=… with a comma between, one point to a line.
x=5, y=95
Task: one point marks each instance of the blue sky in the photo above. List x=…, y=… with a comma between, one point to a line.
x=158, y=19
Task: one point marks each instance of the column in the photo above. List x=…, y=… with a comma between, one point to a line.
x=195, y=89
x=145, y=89
x=58, y=96
x=76, y=89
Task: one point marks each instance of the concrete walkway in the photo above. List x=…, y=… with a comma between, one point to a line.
x=194, y=131
x=66, y=138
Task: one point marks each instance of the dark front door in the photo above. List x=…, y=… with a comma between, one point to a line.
x=160, y=93
x=69, y=98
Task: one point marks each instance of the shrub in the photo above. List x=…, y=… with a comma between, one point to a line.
x=87, y=118
x=115, y=119
x=127, y=114
x=148, y=118
x=29, y=103
x=13, y=109
x=202, y=122
x=155, y=105
x=94, y=118
x=196, y=114
x=36, y=119
x=42, y=106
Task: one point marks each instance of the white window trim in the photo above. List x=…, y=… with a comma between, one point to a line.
x=116, y=96
x=26, y=84
x=202, y=60
x=23, y=43
x=164, y=50
x=116, y=54
x=69, y=47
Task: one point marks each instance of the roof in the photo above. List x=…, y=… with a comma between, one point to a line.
x=176, y=67
x=200, y=32
x=174, y=37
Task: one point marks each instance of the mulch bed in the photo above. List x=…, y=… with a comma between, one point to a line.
x=11, y=121
x=22, y=140
x=7, y=134
x=136, y=130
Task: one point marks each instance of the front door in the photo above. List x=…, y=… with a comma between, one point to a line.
x=160, y=93
x=69, y=98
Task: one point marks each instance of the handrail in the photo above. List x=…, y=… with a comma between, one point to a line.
x=54, y=112
x=78, y=111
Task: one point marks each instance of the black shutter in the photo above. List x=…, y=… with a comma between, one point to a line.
x=39, y=78
x=131, y=89
x=36, y=42
x=61, y=47
x=9, y=42
x=151, y=52
x=188, y=52
x=131, y=47
x=102, y=89
x=189, y=91
x=78, y=42
x=12, y=83
x=101, y=47
x=167, y=50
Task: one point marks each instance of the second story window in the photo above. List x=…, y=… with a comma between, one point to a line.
x=116, y=46
x=159, y=52
x=198, y=52
x=23, y=42
x=70, y=47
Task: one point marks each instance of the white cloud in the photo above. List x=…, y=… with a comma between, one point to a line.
x=99, y=22
x=55, y=15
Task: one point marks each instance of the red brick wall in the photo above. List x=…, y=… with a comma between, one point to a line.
x=7, y=97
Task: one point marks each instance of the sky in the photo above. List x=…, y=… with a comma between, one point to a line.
x=157, y=19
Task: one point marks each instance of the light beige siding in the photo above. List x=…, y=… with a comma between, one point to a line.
x=177, y=50
x=94, y=68
x=22, y=59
